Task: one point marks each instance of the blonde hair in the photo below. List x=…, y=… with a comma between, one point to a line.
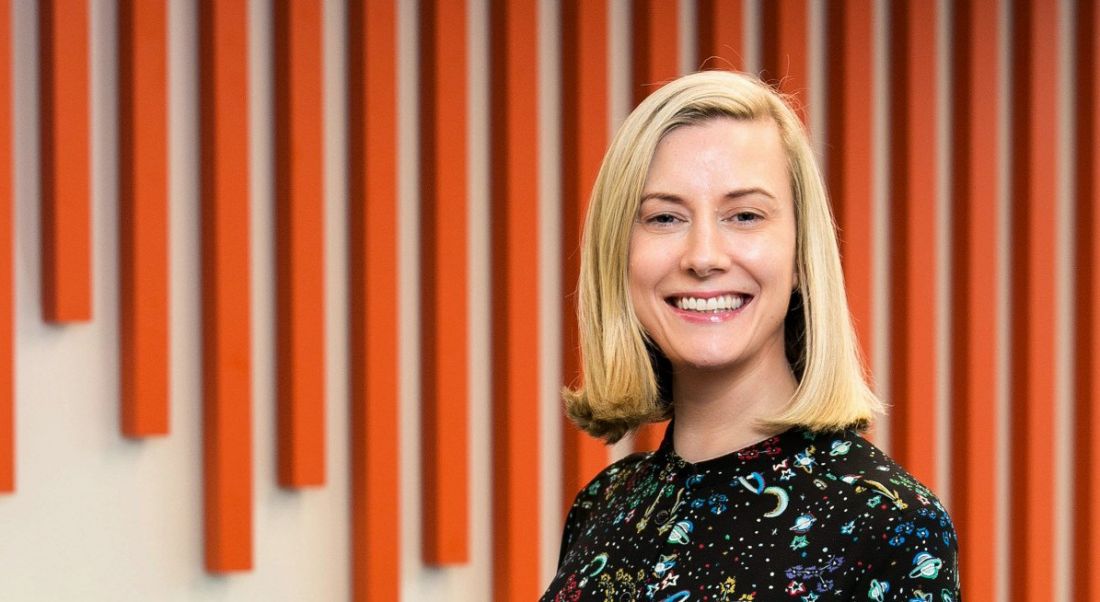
x=626, y=379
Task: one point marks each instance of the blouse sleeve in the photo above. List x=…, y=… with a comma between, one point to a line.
x=917, y=559
x=576, y=520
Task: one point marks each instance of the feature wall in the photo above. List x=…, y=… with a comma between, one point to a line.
x=286, y=286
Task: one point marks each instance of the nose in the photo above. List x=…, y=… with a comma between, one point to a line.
x=704, y=254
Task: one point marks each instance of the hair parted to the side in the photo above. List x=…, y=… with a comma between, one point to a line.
x=626, y=380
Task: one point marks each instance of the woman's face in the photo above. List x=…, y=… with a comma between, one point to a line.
x=712, y=250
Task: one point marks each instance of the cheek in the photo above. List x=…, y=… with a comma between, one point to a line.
x=773, y=258
x=646, y=266
x=640, y=292
x=636, y=279
x=646, y=262
x=769, y=262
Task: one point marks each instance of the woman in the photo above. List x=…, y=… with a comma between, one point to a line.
x=711, y=293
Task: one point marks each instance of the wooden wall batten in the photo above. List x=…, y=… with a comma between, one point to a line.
x=584, y=134
x=913, y=225
x=515, y=292
x=444, y=365
x=655, y=46
x=1086, y=569
x=849, y=31
x=785, y=49
x=373, y=260
x=299, y=124
x=143, y=217
x=720, y=43
x=7, y=315
x=227, y=369
x=975, y=200
x=65, y=155
x=1034, y=285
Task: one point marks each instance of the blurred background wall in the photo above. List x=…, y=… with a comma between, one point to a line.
x=285, y=286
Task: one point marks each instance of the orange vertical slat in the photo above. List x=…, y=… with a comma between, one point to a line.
x=849, y=35
x=721, y=34
x=1034, y=252
x=584, y=140
x=785, y=49
x=913, y=258
x=1086, y=569
x=66, y=170
x=443, y=319
x=300, y=247
x=655, y=48
x=143, y=217
x=850, y=72
x=515, y=231
x=7, y=386
x=227, y=399
x=1087, y=539
x=655, y=62
x=372, y=210
x=974, y=313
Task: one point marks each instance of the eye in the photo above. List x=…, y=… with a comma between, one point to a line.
x=662, y=220
x=746, y=217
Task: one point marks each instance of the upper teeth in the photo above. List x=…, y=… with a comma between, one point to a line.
x=722, y=303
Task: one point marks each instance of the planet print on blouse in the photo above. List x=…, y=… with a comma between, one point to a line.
x=802, y=517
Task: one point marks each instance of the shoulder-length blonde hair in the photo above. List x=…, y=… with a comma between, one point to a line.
x=626, y=379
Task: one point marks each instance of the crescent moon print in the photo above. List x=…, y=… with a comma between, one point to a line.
x=781, y=501
x=756, y=485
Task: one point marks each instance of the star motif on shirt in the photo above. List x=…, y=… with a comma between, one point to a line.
x=794, y=588
x=799, y=541
x=811, y=597
x=787, y=474
x=670, y=581
x=848, y=527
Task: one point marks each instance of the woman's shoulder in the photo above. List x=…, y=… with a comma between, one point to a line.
x=862, y=466
x=616, y=479
x=857, y=477
x=613, y=477
x=913, y=541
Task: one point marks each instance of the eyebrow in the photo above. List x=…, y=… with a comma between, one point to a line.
x=732, y=195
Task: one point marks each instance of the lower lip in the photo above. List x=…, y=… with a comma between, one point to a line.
x=710, y=317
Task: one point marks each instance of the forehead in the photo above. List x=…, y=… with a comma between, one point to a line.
x=721, y=152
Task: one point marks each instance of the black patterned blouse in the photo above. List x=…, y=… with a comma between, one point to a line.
x=800, y=517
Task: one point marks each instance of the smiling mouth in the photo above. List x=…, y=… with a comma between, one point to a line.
x=709, y=305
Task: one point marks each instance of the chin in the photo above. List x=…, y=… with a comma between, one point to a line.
x=706, y=364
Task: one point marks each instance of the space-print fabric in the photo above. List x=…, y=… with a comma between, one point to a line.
x=799, y=517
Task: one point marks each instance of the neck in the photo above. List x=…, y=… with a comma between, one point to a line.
x=719, y=412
